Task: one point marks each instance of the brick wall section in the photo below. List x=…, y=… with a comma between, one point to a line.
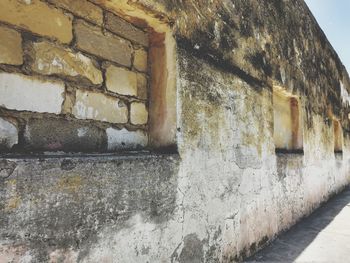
x=37, y=17
x=126, y=30
x=92, y=40
x=73, y=77
x=81, y=8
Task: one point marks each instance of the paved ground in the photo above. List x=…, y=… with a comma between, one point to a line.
x=322, y=237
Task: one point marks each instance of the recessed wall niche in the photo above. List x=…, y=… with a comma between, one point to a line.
x=288, y=130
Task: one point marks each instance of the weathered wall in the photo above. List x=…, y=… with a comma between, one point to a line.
x=76, y=198
x=229, y=192
x=73, y=77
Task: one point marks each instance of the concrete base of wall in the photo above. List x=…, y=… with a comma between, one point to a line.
x=52, y=206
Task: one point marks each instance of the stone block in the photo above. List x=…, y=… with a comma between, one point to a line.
x=126, y=29
x=8, y=134
x=63, y=135
x=82, y=8
x=104, y=45
x=138, y=113
x=24, y=93
x=142, y=86
x=98, y=106
x=54, y=60
x=121, y=81
x=10, y=47
x=124, y=139
x=37, y=17
x=140, y=60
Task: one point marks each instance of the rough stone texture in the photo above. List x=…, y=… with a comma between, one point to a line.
x=32, y=34
x=142, y=86
x=8, y=134
x=124, y=139
x=98, y=106
x=121, y=81
x=53, y=60
x=92, y=40
x=10, y=47
x=138, y=113
x=23, y=93
x=126, y=30
x=232, y=193
x=140, y=60
x=62, y=135
x=68, y=202
x=37, y=17
x=82, y=8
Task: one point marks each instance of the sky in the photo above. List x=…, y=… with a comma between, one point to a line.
x=334, y=18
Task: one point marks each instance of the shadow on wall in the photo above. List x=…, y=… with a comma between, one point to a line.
x=290, y=245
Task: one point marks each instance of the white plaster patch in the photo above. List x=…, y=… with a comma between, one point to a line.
x=135, y=243
x=124, y=139
x=40, y=64
x=344, y=94
x=27, y=258
x=217, y=32
x=82, y=132
x=56, y=62
x=8, y=134
x=97, y=106
x=283, y=75
x=22, y=93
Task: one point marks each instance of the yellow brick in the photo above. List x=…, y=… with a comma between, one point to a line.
x=37, y=17
x=138, y=113
x=140, y=60
x=121, y=81
x=91, y=39
x=142, y=86
x=54, y=60
x=82, y=8
x=126, y=29
x=10, y=47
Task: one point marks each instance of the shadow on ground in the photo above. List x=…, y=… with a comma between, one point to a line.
x=323, y=236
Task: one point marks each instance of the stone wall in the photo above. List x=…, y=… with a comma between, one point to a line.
x=227, y=192
x=73, y=77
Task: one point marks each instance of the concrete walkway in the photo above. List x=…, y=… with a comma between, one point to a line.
x=322, y=237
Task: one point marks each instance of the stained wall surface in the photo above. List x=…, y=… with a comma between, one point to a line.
x=73, y=78
x=226, y=192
